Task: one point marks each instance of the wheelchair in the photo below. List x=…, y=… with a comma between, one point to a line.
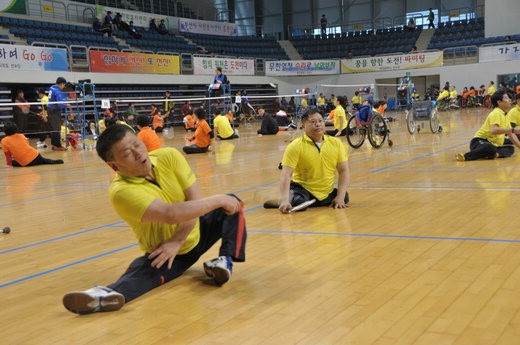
x=420, y=112
x=375, y=129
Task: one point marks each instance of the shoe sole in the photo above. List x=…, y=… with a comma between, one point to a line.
x=220, y=275
x=208, y=270
x=83, y=303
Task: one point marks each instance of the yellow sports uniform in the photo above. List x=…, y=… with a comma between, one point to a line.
x=357, y=100
x=304, y=103
x=339, y=113
x=321, y=101
x=444, y=94
x=221, y=123
x=491, y=90
x=496, y=117
x=131, y=197
x=514, y=115
x=315, y=168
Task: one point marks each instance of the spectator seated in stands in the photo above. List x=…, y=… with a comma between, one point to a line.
x=117, y=20
x=98, y=27
x=411, y=25
x=162, y=29
x=108, y=21
x=152, y=27
x=130, y=28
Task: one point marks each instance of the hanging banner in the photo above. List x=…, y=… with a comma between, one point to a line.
x=29, y=58
x=305, y=67
x=138, y=63
x=207, y=65
x=206, y=27
x=141, y=19
x=12, y=6
x=504, y=52
x=392, y=62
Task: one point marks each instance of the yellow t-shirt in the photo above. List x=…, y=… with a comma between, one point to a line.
x=514, y=115
x=304, y=102
x=339, y=112
x=491, y=90
x=496, y=117
x=315, y=169
x=357, y=100
x=453, y=94
x=131, y=197
x=321, y=101
x=221, y=123
x=444, y=94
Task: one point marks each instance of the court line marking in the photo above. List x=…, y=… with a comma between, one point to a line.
x=278, y=232
x=36, y=275
x=416, y=158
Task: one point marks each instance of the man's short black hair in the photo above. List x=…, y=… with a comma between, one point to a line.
x=10, y=128
x=200, y=113
x=108, y=138
x=143, y=120
x=308, y=113
x=61, y=80
x=219, y=69
x=498, y=96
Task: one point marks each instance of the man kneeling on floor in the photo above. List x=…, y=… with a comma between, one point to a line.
x=158, y=196
x=309, y=165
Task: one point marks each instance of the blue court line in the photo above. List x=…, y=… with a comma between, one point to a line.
x=416, y=237
x=438, y=238
x=49, y=196
x=59, y=238
x=437, y=188
x=36, y=275
x=110, y=225
x=416, y=158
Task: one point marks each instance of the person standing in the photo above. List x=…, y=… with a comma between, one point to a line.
x=431, y=18
x=169, y=105
x=157, y=194
x=323, y=24
x=21, y=111
x=44, y=118
x=54, y=112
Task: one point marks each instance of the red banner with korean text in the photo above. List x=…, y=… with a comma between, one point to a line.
x=136, y=63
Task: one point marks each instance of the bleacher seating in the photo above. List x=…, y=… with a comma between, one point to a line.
x=241, y=46
x=152, y=41
x=48, y=32
x=360, y=43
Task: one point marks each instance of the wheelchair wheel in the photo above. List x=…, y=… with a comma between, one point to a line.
x=435, y=122
x=377, y=131
x=410, y=123
x=355, y=134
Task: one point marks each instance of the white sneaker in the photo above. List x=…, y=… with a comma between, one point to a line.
x=98, y=298
x=41, y=145
x=219, y=269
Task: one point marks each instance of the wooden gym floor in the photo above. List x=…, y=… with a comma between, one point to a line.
x=427, y=253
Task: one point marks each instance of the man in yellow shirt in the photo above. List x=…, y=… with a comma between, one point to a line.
x=514, y=113
x=309, y=168
x=157, y=194
x=490, y=138
x=222, y=127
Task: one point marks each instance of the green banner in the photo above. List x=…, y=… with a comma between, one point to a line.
x=12, y=6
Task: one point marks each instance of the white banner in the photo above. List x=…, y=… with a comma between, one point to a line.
x=391, y=62
x=304, y=67
x=206, y=27
x=504, y=52
x=207, y=65
x=141, y=19
x=29, y=58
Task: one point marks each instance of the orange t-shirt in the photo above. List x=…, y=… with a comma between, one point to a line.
x=331, y=114
x=150, y=139
x=465, y=94
x=471, y=93
x=190, y=121
x=18, y=147
x=202, y=138
x=158, y=121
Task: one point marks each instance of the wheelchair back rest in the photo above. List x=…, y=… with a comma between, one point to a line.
x=363, y=114
x=422, y=109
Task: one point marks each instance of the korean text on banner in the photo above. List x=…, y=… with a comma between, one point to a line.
x=207, y=27
x=207, y=65
x=139, y=63
x=504, y=52
x=29, y=58
x=392, y=62
x=305, y=67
